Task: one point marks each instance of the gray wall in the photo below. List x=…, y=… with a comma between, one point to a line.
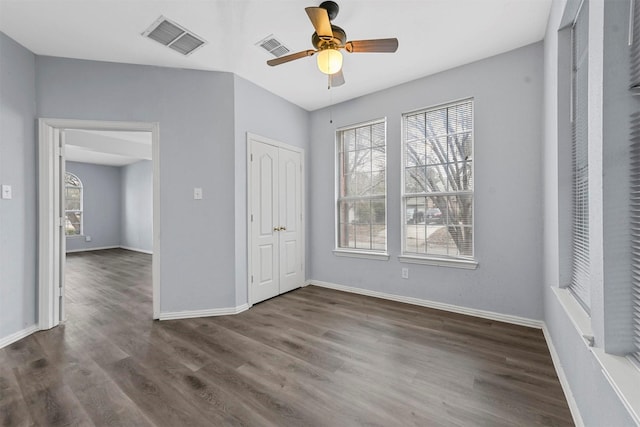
x=508, y=96
x=195, y=112
x=101, y=206
x=596, y=400
x=137, y=206
x=18, y=169
x=265, y=114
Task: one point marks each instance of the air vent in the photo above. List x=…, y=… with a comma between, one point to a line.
x=174, y=36
x=273, y=46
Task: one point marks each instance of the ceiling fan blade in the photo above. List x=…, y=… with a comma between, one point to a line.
x=320, y=20
x=292, y=57
x=374, y=45
x=336, y=79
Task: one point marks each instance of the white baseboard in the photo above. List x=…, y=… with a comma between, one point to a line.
x=507, y=318
x=101, y=248
x=144, y=251
x=562, y=377
x=203, y=313
x=17, y=336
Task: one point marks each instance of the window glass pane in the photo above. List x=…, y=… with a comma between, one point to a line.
x=363, y=236
x=378, y=237
x=349, y=139
x=71, y=180
x=378, y=135
x=415, y=180
x=362, y=161
x=378, y=159
x=72, y=205
x=415, y=153
x=363, y=138
x=436, y=123
x=346, y=215
x=363, y=212
x=73, y=221
x=363, y=184
x=414, y=127
x=378, y=212
x=348, y=185
x=378, y=183
x=459, y=147
x=436, y=178
x=436, y=150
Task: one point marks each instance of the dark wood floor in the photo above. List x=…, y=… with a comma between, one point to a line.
x=312, y=357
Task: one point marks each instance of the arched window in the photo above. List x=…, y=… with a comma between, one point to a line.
x=73, y=205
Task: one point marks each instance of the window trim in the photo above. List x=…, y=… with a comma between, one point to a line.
x=81, y=210
x=440, y=261
x=381, y=254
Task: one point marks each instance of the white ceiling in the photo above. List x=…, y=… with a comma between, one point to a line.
x=110, y=148
x=434, y=35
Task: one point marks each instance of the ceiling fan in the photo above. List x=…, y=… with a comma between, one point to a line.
x=329, y=39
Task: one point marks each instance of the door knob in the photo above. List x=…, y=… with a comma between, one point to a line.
x=283, y=228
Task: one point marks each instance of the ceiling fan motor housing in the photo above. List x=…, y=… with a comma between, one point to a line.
x=332, y=9
x=339, y=39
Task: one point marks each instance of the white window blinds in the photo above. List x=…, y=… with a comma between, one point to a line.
x=438, y=181
x=580, y=285
x=635, y=178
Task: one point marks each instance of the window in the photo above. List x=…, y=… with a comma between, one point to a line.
x=73, y=205
x=437, y=200
x=362, y=205
x=580, y=285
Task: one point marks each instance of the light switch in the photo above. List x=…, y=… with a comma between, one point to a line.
x=197, y=193
x=6, y=191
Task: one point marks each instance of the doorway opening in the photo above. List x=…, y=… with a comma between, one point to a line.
x=97, y=178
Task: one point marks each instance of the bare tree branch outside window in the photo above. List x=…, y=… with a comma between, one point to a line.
x=438, y=181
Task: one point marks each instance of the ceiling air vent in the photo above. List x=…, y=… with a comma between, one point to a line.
x=174, y=36
x=273, y=46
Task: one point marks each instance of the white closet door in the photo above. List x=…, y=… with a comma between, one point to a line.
x=276, y=235
x=290, y=209
x=265, y=275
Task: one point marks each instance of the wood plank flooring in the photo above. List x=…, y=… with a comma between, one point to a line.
x=312, y=357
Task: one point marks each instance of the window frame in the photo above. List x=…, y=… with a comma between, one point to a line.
x=81, y=210
x=379, y=254
x=465, y=262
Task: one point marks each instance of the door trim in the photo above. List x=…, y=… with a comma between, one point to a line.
x=278, y=144
x=50, y=262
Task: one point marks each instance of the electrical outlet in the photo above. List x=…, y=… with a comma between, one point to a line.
x=405, y=273
x=87, y=238
x=197, y=193
x=6, y=191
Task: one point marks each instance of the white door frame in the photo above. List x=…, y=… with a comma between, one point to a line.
x=264, y=140
x=50, y=260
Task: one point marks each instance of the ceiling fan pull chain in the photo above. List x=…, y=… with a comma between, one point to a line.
x=330, y=101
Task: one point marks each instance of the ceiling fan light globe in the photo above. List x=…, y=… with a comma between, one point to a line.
x=329, y=61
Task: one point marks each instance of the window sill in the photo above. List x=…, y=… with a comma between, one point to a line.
x=75, y=236
x=576, y=313
x=619, y=371
x=362, y=254
x=440, y=262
